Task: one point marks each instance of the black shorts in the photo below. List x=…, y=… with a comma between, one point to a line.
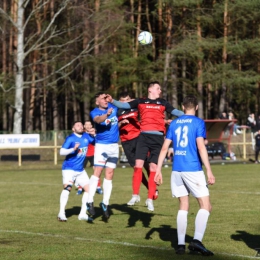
x=149, y=143
x=89, y=159
x=130, y=149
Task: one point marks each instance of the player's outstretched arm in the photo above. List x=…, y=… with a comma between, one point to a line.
x=158, y=175
x=205, y=159
x=176, y=112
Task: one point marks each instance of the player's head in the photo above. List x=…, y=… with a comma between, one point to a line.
x=154, y=90
x=88, y=125
x=189, y=103
x=77, y=127
x=101, y=101
x=124, y=97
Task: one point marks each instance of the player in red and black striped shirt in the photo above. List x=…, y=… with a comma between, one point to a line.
x=129, y=130
x=152, y=126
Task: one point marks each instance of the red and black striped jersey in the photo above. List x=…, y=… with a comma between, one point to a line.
x=151, y=113
x=132, y=129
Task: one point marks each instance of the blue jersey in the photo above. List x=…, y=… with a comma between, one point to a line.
x=183, y=132
x=75, y=160
x=106, y=132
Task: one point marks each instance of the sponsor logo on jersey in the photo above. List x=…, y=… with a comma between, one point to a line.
x=111, y=121
x=129, y=115
x=154, y=107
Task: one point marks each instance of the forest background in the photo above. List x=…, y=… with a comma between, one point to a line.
x=55, y=55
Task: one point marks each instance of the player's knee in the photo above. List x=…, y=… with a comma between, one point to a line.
x=68, y=187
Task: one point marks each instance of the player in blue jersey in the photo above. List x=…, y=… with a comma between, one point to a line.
x=187, y=133
x=106, y=151
x=75, y=148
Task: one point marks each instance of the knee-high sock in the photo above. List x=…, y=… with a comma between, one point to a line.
x=107, y=190
x=64, y=197
x=201, y=224
x=93, y=182
x=144, y=181
x=151, y=185
x=137, y=179
x=181, y=226
x=83, y=203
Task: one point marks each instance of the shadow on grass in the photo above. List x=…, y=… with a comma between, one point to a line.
x=167, y=234
x=72, y=211
x=76, y=210
x=134, y=215
x=252, y=241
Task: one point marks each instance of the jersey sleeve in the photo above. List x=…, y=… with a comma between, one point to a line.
x=201, y=130
x=68, y=143
x=134, y=103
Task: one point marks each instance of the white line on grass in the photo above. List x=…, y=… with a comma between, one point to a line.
x=110, y=242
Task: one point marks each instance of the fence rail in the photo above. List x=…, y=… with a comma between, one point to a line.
x=56, y=146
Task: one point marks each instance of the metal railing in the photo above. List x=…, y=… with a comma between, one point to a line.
x=55, y=147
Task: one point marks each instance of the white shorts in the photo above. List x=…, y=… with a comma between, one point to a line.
x=184, y=183
x=70, y=176
x=106, y=155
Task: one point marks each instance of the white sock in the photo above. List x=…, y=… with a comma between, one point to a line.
x=64, y=197
x=201, y=224
x=182, y=221
x=83, y=204
x=107, y=189
x=93, y=182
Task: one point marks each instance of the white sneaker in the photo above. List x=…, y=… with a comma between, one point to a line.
x=238, y=131
x=234, y=134
x=85, y=217
x=135, y=199
x=149, y=204
x=62, y=218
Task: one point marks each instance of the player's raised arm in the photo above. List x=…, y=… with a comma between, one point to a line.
x=176, y=112
x=102, y=118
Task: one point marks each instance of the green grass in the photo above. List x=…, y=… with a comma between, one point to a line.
x=30, y=204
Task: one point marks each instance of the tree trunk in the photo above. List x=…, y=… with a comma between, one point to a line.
x=168, y=54
x=222, y=103
x=18, y=115
x=4, y=69
x=199, y=72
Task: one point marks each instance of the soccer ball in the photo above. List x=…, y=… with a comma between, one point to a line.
x=145, y=38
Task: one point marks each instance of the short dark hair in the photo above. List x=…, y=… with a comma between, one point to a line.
x=124, y=94
x=99, y=94
x=190, y=101
x=152, y=83
x=75, y=122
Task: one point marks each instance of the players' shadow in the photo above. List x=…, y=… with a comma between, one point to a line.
x=167, y=234
x=134, y=215
x=72, y=211
x=252, y=241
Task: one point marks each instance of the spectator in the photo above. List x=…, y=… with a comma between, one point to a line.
x=251, y=122
x=235, y=126
x=223, y=115
x=257, y=145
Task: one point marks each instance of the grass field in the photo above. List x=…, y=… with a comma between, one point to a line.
x=30, y=203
